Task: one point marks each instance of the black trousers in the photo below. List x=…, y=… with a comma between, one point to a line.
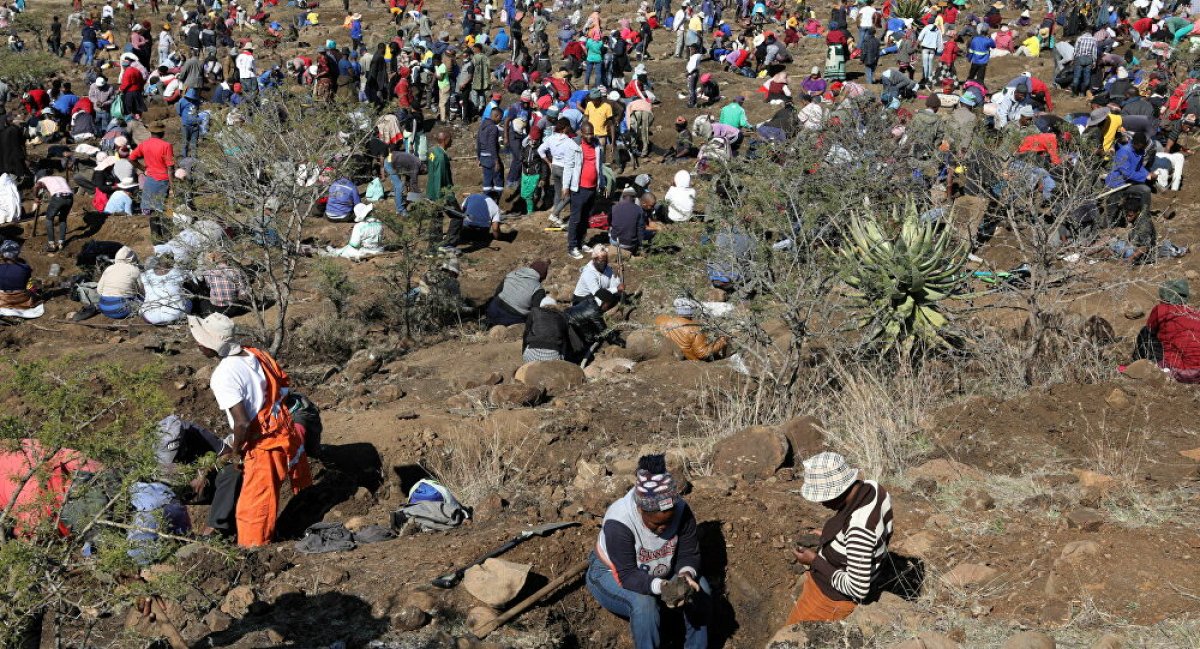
x=1147, y=346
x=977, y=72
x=222, y=514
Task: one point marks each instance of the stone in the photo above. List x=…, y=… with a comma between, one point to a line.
x=1084, y=518
x=356, y=523
x=514, y=395
x=239, y=601
x=928, y=640
x=645, y=344
x=389, y=393
x=978, y=500
x=203, y=374
x=555, y=377
x=917, y=545
x=714, y=484
x=625, y=466
x=1144, y=370
x=1029, y=640
x=1118, y=399
x=944, y=471
x=510, y=333
x=1191, y=454
x=715, y=295
x=217, y=621
x=789, y=637
x=1110, y=641
x=614, y=365
x=1079, y=551
x=1133, y=312
x=969, y=574
x=755, y=452
x=588, y=475
x=479, y=616
x=496, y=581
x=331, y=575
x=362, y=365
x=274, y=637
x=889, y=611
x=468, y=382
x=805, y=436
x=1094, y=481
x=471, y=399
x=409, y=618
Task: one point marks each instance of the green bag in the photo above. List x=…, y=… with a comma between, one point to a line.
x=117, y=110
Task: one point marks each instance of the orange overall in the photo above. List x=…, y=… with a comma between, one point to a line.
x=274, y=450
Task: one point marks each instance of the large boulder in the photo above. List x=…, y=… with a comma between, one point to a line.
x=1144, y=370
x=496, y=582
x=514, y=395
x=805, y=436
x=755, y=452
x=644, y=344
x=555, y=377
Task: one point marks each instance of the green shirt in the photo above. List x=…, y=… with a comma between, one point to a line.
x=734, y=115
x=439, y=174
x=443, y=76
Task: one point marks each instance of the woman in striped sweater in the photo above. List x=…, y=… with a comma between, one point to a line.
x=853, y=543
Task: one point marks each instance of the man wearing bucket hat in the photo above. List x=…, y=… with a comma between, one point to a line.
x=250, y=387
x=854, y=541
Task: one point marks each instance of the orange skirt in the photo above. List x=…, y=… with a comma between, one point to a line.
x=814, y=606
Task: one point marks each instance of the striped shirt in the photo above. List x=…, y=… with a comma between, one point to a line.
x=853, y=544
x=1086, y=46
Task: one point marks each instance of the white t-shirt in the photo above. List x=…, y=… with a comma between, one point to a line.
x=866, y=16
x=680, y=203
x=245, y=66
x=239, y=379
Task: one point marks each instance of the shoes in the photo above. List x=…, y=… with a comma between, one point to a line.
x=587, y=249
x=575, y=254
x=557, y=222
x=447, y=250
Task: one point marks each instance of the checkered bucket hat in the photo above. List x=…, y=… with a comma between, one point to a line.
x=826, y=476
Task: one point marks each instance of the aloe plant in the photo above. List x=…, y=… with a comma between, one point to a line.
x=909, y=9
x=898, y=280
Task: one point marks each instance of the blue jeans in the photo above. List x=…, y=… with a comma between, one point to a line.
x=1081, y=78
x=593, y=66
x=191, y=140
x=397, y=186
x=154, y=195
x=870, y=72
x=89, y=52
x=644, y=612
x=493, y=179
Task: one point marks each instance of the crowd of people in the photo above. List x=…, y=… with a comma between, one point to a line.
x=556, y=102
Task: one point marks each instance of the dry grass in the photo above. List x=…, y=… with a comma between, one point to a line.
x=475, y=464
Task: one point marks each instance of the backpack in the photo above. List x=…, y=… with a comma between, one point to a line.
x=307, y=414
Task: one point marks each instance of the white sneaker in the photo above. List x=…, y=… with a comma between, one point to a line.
x=587, y=249
x=575, y=254
x=556, y=222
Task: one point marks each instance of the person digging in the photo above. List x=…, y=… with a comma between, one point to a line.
x=648, y=558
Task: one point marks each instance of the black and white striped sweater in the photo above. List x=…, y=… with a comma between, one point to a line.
x=853, y=543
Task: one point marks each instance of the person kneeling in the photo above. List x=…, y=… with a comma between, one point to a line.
x=845, y=567
x=648, y=557
x=366, y=239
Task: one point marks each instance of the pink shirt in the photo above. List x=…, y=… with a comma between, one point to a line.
x=55, y=185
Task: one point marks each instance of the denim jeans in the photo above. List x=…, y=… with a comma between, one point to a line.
x=89, y=52
x=1081, y=78
x=593, y=66
x=581, y=209
x=870, y=72
x=397, y=186
x=644, y=612
x=191, y=140
x=928, y=57
x=154, y=195
x=493, y=179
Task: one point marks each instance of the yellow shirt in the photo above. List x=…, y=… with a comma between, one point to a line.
x=1033, y=45
x=1110, y=134
x=598, y=116
x=696, y=24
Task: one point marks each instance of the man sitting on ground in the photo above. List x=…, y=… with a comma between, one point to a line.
x=545, y=336
x=1171, y=337
x=517, y=294
x=587, y=326
x=687, y=335
x=120, y=286
x=595, y=276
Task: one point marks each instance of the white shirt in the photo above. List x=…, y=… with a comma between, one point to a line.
x=866, y=16
x=245, y=65
x=165, y=299
x=930, y=37
x=239, y=379
x=592, y=280
x=680, y=203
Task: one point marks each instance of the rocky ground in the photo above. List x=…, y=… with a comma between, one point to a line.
x=1061, y=512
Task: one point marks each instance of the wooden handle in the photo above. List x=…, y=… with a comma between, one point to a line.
x=567, y=577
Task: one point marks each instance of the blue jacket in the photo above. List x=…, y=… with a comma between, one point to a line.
x=979, y=50
x=356, y=29
x=487, y=144
x=343, y=196
x=1128, y=167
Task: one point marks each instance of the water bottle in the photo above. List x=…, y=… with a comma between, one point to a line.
x=55, y=270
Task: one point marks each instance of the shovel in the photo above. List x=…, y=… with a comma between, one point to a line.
x=451, y=579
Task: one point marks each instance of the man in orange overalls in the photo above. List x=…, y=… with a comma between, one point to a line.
x=250, y=387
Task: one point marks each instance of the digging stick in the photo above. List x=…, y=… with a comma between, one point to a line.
x=563, y=579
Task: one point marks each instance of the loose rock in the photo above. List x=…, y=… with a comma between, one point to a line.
x=555, y=377
x=943, y=471
x=1118, y=400
x=514, y=395
x=1144, y=370
x=239, y=601
x=978, y=500
x=362, y=365
x=969, y=574
x=805, y=436
x=479, y=616
x=217, y=621
x=789, y=637
x=1078, y=551
x=1083, y=518
x=643, y=345
x=756, y=452
x=496, y=581
x=409, y=618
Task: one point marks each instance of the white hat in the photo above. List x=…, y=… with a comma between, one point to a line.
x=547, y=302
x=639, y=70
x=127, y=183
x=826, y=476
x=104, y=161
x=214, y=332
x=599, y=251
x=361, y=211
x=613, y=95
x=816, y=70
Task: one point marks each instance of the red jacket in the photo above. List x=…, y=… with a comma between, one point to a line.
x=132, y=80
x=1178, y=329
